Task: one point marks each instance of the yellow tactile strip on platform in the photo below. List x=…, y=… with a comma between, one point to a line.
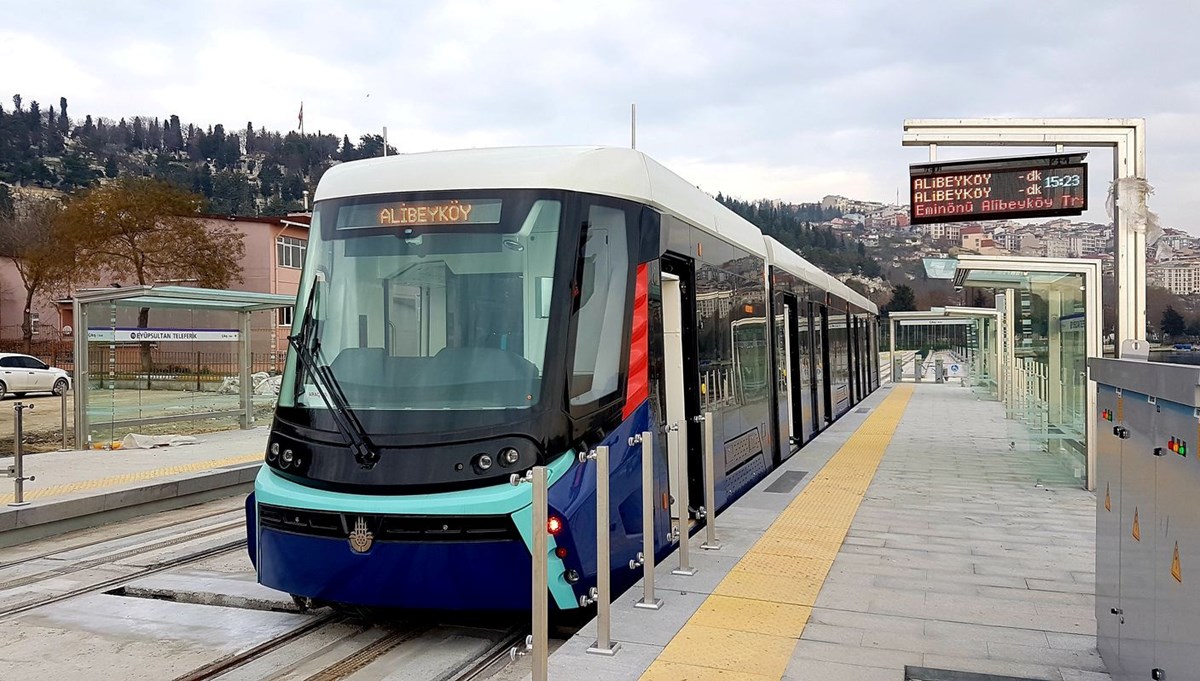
x=746, y=630
x=32, y=492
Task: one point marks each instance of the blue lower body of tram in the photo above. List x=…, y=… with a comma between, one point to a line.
x=303, y=549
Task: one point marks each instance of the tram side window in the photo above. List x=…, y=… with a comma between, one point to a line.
x=599, y=317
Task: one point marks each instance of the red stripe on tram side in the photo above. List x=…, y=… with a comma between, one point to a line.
x=637, y=388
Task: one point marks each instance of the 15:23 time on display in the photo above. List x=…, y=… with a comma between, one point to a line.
x=1062, y=181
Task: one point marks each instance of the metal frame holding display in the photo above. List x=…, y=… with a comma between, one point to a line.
x=171, y=297
x=1125, y=136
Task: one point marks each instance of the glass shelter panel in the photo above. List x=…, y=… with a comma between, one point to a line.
x=170, y=368
x=1042, y=363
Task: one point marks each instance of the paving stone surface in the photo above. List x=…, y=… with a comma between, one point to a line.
x=974, y=550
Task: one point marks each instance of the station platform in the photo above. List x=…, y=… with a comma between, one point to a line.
x=77, y=489
x=928, y=539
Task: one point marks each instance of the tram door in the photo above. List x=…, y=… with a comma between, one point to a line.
x=855, y=362
x=816, y=355
x=681, y=375
x=796, y=378
x=404, y=322
x=826, y=367
x=673, y=377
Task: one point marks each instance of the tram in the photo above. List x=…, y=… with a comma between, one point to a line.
x=466, y=315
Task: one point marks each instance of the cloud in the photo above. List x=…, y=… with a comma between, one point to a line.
x=798, y=183
x=40, y=68
x=774, y=98
x=144, y=59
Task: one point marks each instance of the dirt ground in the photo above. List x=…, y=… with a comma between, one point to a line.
x=42, y=425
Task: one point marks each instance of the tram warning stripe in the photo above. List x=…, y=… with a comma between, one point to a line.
x=747, y=629
x=637, y=387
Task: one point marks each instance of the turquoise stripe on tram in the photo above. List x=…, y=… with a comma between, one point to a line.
x=504, y=499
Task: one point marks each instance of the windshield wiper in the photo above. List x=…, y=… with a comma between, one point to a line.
x=308, y=352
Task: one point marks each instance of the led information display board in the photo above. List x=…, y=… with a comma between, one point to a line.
x=997, y=189
x=420, y=213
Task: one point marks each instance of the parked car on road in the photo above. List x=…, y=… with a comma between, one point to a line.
x=22, y=374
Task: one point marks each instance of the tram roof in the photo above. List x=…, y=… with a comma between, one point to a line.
x=857, y=298
x=788, y=260
x=607, y=171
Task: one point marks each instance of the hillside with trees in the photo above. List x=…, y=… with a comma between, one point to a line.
x=243, y=171
x=793, y=225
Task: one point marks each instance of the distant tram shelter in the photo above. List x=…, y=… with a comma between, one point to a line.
x=968, y=333
x=117, y=390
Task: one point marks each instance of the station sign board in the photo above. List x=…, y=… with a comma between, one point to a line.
x=135, y=335
x=950, y=321
x=998, y=188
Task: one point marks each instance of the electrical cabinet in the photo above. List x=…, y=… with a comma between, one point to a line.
x=1147, y=518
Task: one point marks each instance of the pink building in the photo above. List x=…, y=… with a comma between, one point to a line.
x=275, y=248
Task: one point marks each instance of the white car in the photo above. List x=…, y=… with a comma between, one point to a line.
x=21, y=374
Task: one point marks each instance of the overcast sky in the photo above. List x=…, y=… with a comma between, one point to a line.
x=787, y=99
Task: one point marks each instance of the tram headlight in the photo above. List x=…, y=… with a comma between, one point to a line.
x=285, y=459
x=273, y=452
x=483, y=462
x=509, y=456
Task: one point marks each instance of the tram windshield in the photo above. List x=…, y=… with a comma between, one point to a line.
x=429, y=302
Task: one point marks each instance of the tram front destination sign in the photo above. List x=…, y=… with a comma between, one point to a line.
x=998, y=188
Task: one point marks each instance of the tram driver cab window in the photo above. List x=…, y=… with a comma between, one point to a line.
x=602, y=280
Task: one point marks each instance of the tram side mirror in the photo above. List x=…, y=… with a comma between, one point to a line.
x=545, y=289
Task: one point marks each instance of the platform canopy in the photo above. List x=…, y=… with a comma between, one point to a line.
x=186, y=297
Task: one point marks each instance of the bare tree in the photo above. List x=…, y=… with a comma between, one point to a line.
x=32, y=237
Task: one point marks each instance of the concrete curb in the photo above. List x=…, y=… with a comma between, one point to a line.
x=47, y=518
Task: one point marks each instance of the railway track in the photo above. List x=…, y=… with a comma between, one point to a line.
x=311, y=653
x=494, y=659
x=326, y=646
x=106, y=562
x=61, y=550
x=105, y=585
x=110, y=557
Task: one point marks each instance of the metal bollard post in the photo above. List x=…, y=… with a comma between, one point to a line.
x=17, y=470
x=685, y=569
x=646, y=557
x=65, y=445
x=536, y=643
x=604, y=644
x=711, y=543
